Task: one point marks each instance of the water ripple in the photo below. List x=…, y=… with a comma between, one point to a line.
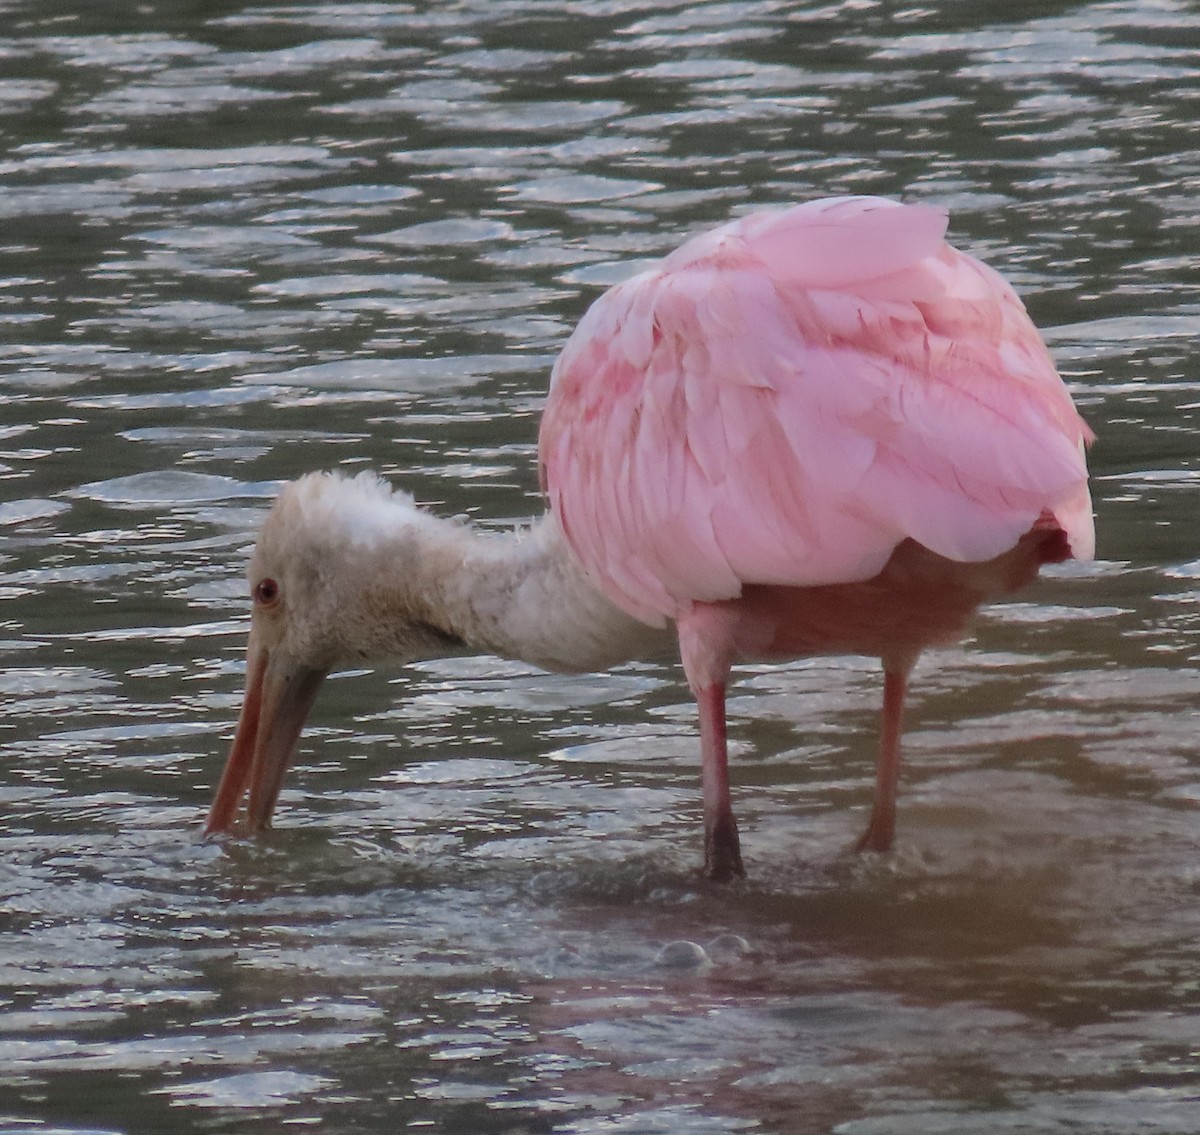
x=249, y=241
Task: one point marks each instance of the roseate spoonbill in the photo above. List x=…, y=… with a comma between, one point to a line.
x=814, y=430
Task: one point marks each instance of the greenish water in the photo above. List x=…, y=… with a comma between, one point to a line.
x=238, y=242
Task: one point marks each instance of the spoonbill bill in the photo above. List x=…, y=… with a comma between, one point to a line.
x=814, y=430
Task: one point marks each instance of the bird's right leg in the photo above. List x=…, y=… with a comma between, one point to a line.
x=706, y=648
x=882, y=828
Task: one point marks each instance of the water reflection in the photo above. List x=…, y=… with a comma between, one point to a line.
x=245, y=241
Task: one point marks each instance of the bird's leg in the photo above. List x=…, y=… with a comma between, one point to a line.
x=882, y=828
x=722, y=849
x=706, y=648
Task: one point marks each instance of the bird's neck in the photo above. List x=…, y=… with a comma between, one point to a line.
x=521, y=595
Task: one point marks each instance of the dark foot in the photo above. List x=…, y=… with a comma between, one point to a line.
x=723, y=853
x=880, y=833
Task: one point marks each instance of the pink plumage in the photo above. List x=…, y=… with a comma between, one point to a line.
x=787, y=398
x=790, y=402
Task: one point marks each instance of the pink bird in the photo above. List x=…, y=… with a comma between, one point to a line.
x=814, y=430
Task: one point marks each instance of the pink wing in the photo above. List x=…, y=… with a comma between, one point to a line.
x=785, y=399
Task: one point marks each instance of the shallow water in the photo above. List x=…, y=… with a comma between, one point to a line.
x=238, y=242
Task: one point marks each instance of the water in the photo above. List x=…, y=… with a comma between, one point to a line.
x=238, y=242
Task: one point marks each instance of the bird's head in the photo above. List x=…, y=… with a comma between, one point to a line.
x=334, y=580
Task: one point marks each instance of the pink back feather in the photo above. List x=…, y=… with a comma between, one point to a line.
x=786, y=398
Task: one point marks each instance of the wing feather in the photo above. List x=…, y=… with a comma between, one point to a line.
x=786, y=398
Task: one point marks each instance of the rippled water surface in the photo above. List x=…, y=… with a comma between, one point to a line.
x=241, y=241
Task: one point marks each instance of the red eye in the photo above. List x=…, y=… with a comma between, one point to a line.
x=266, y=593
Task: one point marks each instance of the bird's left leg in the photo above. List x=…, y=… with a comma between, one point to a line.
x=706, y=648
x=882, y=828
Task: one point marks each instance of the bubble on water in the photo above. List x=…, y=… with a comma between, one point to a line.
x=728, y=947
x=682, y=955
